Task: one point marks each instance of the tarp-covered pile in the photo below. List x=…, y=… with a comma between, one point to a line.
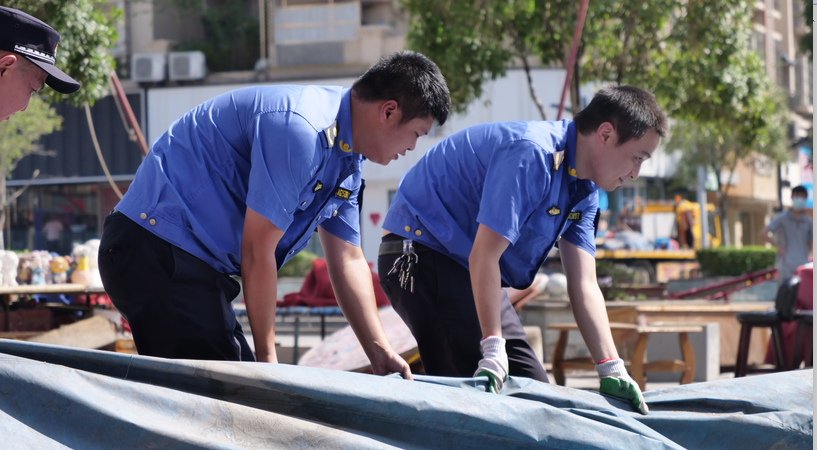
x=58, y=397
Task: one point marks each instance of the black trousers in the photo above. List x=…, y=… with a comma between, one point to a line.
x=177, y=305
x=442, y=316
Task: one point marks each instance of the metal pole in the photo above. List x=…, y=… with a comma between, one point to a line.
x=571, y=62
x=295, y=345
x=262, y=16
x=702, y=206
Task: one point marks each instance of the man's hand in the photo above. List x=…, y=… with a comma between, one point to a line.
x=494, y=363
x=387, y=361
x=616, y=382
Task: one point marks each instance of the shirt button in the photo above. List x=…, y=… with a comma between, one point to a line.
x=304, y=203
x=418, y=232
x=143, y=215
x=334, y=213
x=408, y=228
x=152, y=222
x=292, y=252
x=559, y=238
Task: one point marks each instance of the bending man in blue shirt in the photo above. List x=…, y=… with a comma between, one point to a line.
x=237, y=186
x=484, y=207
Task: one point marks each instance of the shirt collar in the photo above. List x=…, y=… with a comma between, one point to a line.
x=570, y=161
x=570, y=151
x=343, y=144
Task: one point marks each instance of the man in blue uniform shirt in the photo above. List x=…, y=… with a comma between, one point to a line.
x=484, y=207
x=237, y=186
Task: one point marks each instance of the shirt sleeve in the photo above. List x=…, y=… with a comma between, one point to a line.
x=283, y=152
x=582, y=233
x=515, y=183
x=346, y=225
x=776, y=223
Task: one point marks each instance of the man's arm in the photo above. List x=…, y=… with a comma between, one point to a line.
x=486, y=280
x=352, y=283
x=766, y=236
x=259, y=276
x=587, y=301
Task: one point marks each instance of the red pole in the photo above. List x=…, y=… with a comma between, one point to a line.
x=577, y=34
x=123, y=100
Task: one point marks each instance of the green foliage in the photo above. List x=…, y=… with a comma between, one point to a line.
x=732, y=261
x=807, y=40
x=465, y=39
x=298, y=266
x=231, y=36
x=622, y=39
x=19, y=135
x=87, y=30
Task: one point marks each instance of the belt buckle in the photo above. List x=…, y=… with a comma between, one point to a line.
x=408, y=246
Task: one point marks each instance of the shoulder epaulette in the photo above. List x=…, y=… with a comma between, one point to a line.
x=558, y=158
x=331, y=132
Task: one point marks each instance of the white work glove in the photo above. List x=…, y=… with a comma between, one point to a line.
x=616, y=382
x=494, y=363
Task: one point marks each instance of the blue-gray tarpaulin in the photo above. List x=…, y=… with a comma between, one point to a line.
x=57, y=397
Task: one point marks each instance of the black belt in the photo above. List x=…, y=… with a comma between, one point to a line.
x=393, y=245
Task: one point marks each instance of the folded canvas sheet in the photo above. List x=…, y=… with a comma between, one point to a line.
x=59, y=397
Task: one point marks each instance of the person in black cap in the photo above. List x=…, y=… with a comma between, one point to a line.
x=26, y=44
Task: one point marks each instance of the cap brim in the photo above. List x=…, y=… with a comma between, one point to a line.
x=57, y=79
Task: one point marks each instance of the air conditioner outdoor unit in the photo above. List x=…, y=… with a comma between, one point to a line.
x=187, y=66
x=148, y=67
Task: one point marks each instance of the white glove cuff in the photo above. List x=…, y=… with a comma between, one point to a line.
x=493, y=347
x=612, y=368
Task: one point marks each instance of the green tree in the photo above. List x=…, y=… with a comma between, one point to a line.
x=87, y=30
x=709, y=80
x=18, y=138
x=230, y=32
x=807, y=40
x=474, y=42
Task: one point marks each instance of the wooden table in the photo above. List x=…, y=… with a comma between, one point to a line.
x=45, y=289
x=637, y=366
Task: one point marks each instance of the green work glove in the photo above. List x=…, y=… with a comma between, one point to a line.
x=494, y=363
x=616, y=382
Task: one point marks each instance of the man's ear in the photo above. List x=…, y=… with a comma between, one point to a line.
x=389, y=110
x=606, y=134
x=6, y=62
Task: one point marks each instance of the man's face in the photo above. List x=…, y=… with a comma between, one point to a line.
x=389, y=138
x=617, y=163
x=18, y=81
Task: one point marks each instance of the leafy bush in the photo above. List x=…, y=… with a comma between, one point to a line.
x=731, y=261
x=298, y=266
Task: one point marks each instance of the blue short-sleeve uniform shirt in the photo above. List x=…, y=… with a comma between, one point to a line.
x=516, y=178
x=284, y=151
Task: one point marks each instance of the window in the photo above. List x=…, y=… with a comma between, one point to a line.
x=760, y=46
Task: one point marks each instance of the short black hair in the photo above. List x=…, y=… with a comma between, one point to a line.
x=799, y=190
x=410, y=79
x=630, y=109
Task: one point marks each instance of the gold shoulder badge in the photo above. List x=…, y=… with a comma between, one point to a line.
x=558, y=157
x=343, y=194
x=571, y=171
x=345, y=147
x=318, y=186
x=574, y=216
x=331, y=133
x=554, y=211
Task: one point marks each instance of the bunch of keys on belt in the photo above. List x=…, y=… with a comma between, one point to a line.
x=406, y=266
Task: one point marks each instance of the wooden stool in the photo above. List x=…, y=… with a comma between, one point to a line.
x=637, y=367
